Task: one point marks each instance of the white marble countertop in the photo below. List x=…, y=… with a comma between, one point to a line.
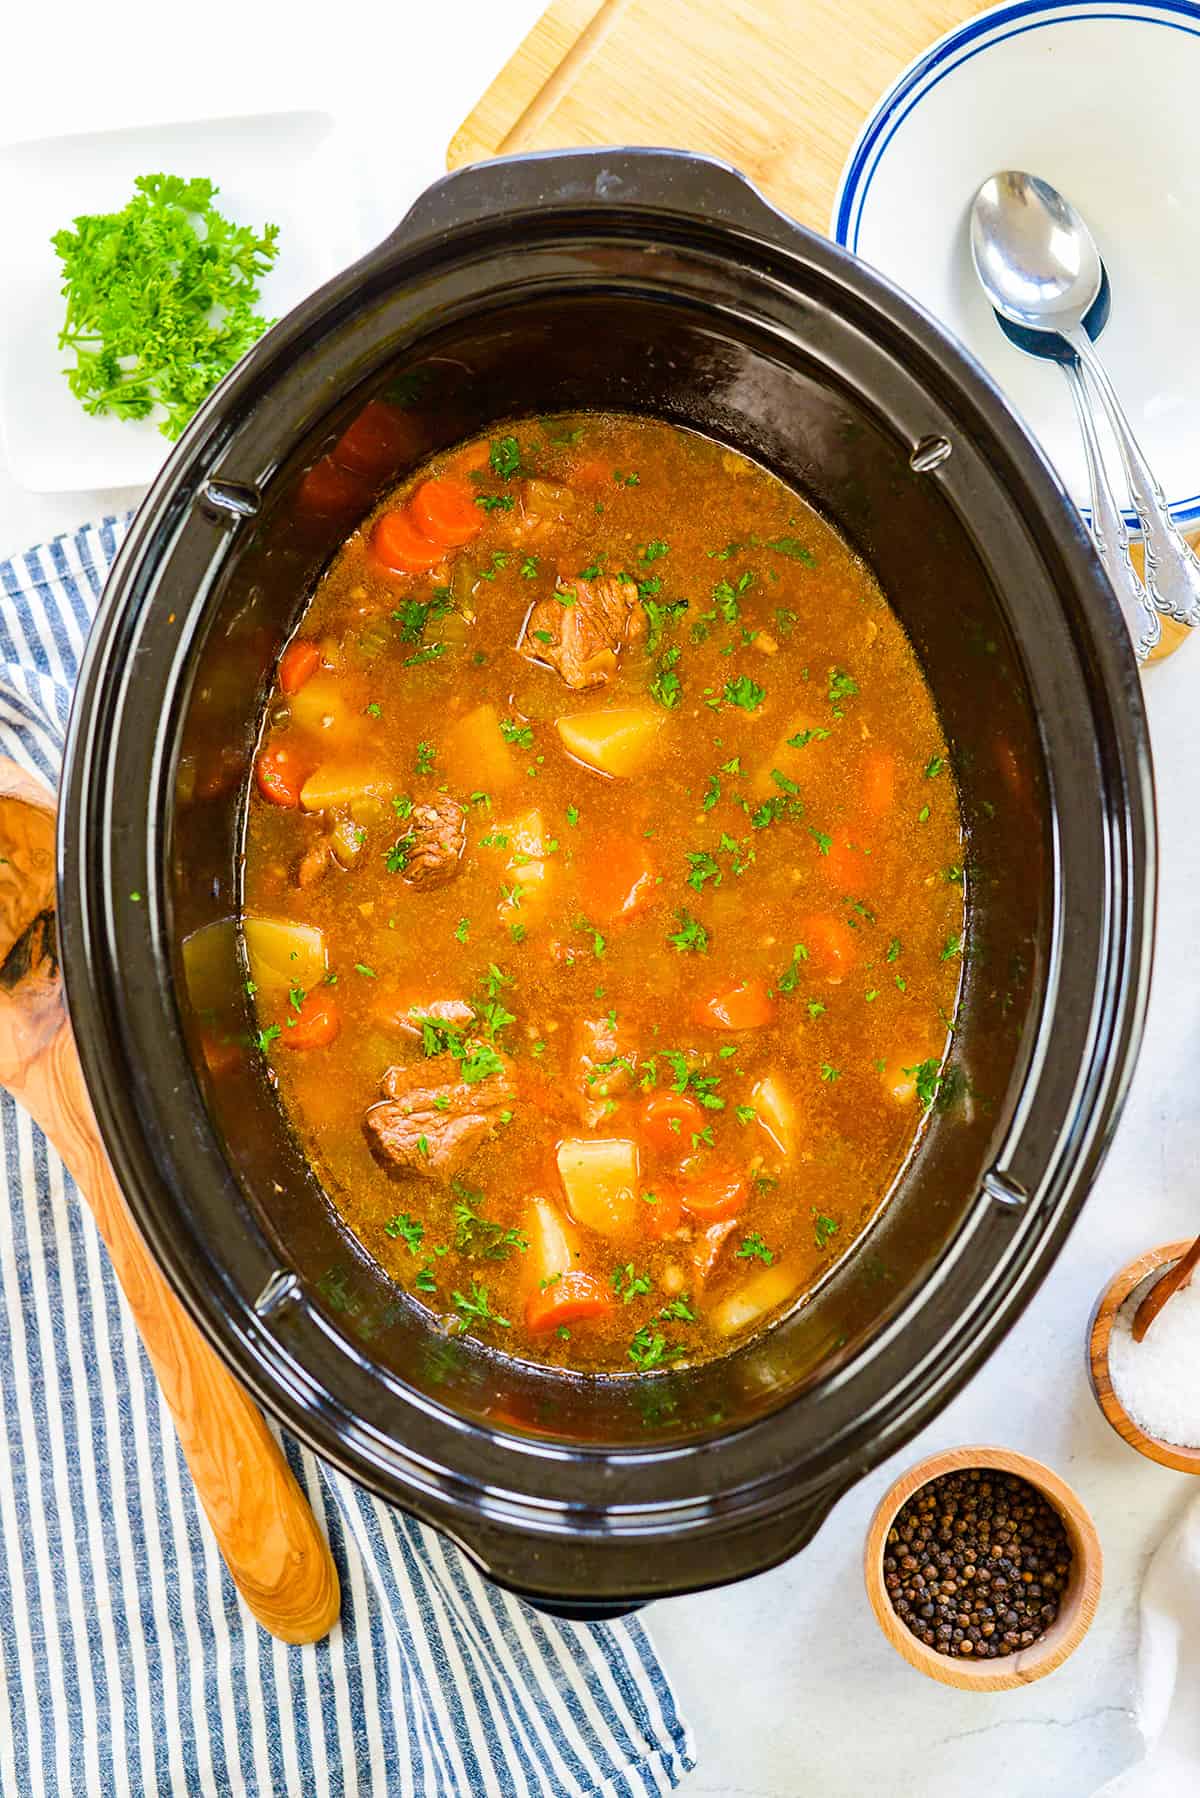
x=789, y=1683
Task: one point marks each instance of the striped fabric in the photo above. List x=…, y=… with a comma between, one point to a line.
x=126, y=1662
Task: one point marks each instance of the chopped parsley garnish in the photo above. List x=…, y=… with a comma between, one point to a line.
x=495, y=502
x=754, y=1249
x=521, y=735
x=425, y=1281
x=894, y=949
x=653, y=550
x=396, y=858
x=824, y=1228
x=504, y=457
x=529, y=568
x=744, y=692
x=462, y=929
x=923, y=815
x=666, y=686
x=792, y=546
x=745, y=1114
x=678, y=1311
x=703, y=867
x=572, y=815
x=474, y=1307
x=649, y=1349
x=360, y=967
x=952, y=946
x=841, y=686
x=804, y=737
x=426, y=757
x=598, y=942
x=430, y=653
x=409, y=1229
x=629, y=1285
x=829, y=1073
x=927, y=1078
x=266, y=1037
x=934, y=766
x=791, y=974
x=823, y=841
x=691, y=936
x=482, y=1237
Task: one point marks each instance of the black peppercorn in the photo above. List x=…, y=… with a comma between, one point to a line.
x=984, y=1563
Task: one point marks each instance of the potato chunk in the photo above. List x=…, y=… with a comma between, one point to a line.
x=615, y=742
x=553, y=1245
x=476, y=755
x=281, y=955
x=340, y=783
x=525, y=870
x=749, y=1303
x=600, y=1179
x=776, y=1112
x=322, y=705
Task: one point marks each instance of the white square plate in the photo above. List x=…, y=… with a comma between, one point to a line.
x=285, y=168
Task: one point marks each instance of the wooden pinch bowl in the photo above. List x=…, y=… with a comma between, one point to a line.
x=1167, y=1454
x=1076, y=1613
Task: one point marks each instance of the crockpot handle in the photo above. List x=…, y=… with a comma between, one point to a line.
x=547, y=181
x=570, y=1567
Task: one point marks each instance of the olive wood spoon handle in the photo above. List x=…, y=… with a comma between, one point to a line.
x=1173, y=1281
x=276, y=1555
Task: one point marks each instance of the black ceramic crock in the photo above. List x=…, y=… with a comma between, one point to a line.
x=655, y=282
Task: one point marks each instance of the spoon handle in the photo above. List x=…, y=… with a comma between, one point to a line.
x=276, y=1554
x=1108, y=526
x=1172, y=569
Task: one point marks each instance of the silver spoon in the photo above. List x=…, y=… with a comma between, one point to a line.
x=1108, y=522
x=1041, y=269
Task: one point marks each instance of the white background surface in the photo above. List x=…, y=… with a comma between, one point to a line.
x=790, y=1685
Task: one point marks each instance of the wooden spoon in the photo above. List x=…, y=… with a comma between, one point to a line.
x=1173, y=1281
x=278, y=1558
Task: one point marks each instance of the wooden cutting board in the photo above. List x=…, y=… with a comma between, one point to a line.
x=779, y=88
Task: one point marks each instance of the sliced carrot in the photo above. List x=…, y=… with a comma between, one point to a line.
x=398, y=546
x=298, y=663
x=619, y=880
x=668, y=1120
x=715, y=1195
x=376, y=441
x=747, y=1006
x=879, y=781
x=445, y=511
x=830, y=945
x=662, y=1206
x=846, y=865
x=317, y=1022
x=327, y=490
x=279, y=779
x=570, y=1299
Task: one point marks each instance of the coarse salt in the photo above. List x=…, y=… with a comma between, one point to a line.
x=1158, y=1379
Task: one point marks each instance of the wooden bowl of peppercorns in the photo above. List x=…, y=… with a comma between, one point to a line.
x=983, y=1568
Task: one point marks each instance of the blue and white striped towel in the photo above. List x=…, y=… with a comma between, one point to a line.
x=127, y=1665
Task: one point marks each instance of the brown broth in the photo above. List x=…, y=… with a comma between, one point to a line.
x=863, y=830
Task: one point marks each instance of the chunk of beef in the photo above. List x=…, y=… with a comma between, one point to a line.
x=438, y=831
x=603, y=1065
x=431, y=1120
x=707, y=1246
x=587, y=625
x=314, y=862
x=402, y=1008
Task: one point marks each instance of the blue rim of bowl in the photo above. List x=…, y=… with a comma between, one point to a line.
x=946, y=57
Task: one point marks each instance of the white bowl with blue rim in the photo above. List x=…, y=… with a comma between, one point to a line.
x=1103, y=100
